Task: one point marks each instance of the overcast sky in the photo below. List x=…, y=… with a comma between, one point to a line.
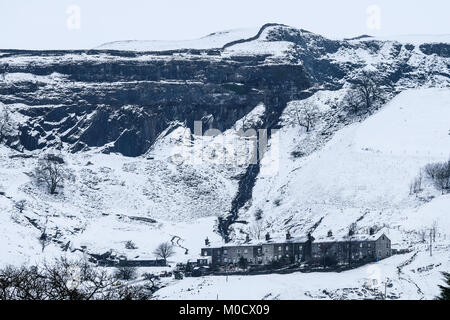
x=84, y=24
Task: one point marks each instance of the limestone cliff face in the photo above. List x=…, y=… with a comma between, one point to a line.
x=122, y=100
x=129, y=102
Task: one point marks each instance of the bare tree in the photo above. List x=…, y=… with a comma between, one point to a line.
x=130, y=245
x=153, y=281
x=416, y=186
x=364, y=93
x=259, y=214
x=126, y=273
x=52, y=172
x=256, y=230
x=434, y=228
x=307, y=115
x=422, y=235
x=367, y=86
x=164, y=251
x=20, y=205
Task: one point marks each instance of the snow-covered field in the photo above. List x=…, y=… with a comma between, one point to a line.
x=417, y=280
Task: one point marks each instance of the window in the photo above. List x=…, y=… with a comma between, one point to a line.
x=287, y=248
x=266, y=250
x=225, y=251
x=238, y=250
x=225, y=260
x=205, y=253
x=300, y=247
x=369, y=245
x=279, y=248
x=245, y=250
x=360, y=245
x=387, y=245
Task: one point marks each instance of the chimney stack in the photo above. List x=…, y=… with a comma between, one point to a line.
x=207, y=241
x=267, y=236
x=288, y=235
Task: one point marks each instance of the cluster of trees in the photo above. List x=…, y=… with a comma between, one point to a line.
x=364, y=96
x=65, y=280
x=438, y=173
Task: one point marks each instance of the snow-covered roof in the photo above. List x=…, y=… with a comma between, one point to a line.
x=356, y=237
x=253, y=243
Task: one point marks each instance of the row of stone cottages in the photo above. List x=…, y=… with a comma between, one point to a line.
x=330, y=250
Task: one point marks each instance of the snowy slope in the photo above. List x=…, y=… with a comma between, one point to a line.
x=179, y=184
x=364, y=171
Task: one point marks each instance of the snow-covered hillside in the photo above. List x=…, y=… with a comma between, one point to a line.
x=363, y=174
x=93, y=108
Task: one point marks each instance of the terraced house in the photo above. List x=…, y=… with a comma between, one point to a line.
x=351, y=249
